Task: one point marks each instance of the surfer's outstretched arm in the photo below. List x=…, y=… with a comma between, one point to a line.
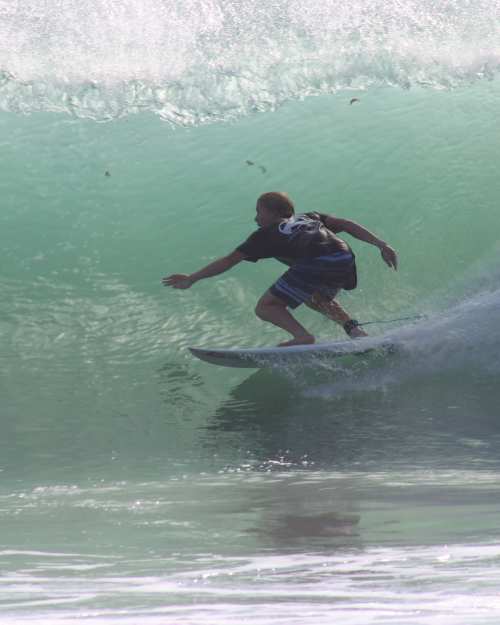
x=184, y=281
x=360, y=232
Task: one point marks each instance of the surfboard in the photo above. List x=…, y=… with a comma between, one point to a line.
x=265, y=357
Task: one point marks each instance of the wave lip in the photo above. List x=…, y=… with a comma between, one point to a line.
x=213, y=60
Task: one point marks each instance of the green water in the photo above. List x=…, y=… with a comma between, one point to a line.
x=92, y=340
x=139, y=483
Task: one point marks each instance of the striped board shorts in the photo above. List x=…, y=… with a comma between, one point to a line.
x=324, y=274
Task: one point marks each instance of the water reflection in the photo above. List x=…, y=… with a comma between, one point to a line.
x=281, y=422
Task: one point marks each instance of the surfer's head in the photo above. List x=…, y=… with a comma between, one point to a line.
x=273, y=207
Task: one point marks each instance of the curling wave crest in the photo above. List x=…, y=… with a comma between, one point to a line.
x=206, y=60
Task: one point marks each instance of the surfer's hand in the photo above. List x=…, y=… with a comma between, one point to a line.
x=178, y=281
x=389, y=255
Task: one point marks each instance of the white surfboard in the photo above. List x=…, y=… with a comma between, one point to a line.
x=262, y=357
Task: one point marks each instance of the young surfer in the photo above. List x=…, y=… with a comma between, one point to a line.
x=320, y=264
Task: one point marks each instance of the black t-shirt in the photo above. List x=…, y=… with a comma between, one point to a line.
x=301, y=236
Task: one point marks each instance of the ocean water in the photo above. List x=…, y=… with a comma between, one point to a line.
x=138, y=485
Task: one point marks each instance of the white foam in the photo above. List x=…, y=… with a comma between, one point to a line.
x=201, y=60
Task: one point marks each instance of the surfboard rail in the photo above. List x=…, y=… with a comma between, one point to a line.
x=262, y=357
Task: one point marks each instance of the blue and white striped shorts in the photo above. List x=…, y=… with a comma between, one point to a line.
x=324, y=274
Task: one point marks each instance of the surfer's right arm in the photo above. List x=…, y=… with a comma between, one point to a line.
x=358, y=231
x=184, y=281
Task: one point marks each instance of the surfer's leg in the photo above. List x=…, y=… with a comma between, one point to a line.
x=334, y=311
x=273, y=309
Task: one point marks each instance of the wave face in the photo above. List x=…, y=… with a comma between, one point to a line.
x=205, y=60
x=95, y=214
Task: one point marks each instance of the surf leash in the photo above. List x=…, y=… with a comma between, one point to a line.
x=411, y=318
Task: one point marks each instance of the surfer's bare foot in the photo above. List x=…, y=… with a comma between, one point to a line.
x=306, y=339
x=357, y=333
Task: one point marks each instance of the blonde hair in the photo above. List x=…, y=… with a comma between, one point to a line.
x=277, y=202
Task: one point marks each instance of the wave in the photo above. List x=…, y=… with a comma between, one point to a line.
x=207, y=60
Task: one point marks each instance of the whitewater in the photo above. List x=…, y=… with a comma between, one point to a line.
x=140, y=485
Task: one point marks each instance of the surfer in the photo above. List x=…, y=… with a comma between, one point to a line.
x=320, y=264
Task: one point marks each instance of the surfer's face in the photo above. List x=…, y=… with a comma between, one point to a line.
x=266, y=217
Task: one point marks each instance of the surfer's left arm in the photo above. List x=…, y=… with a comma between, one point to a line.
x=357, y=231
x=184, y=281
